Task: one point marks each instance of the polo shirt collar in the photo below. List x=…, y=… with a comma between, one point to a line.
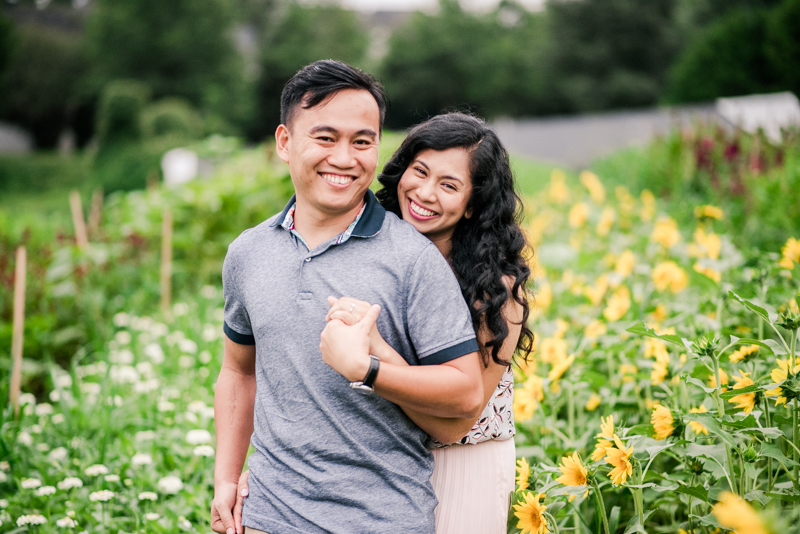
x=368, y=226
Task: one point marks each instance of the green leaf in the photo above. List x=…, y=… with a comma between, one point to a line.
x=784, y=496
x=772, y=451
x=777, y=348
x=699, y=383
x=781, y=419
x=635, y=526
x=750, y=341
x=695, y=450
x=741, y=391
x=613, y=519
x=698, y=492
x=709, y=520
x=767, y=315
x=710, y=422
x=641, y=329
x=756, y=495
x=747, y=422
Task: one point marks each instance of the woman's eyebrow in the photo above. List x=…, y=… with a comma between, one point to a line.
x=423, y=164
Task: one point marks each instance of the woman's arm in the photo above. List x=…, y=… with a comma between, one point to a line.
x=442, y=429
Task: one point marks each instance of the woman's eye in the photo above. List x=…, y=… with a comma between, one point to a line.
x=420, y=170
x=450, y=186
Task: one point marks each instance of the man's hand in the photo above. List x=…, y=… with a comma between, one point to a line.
x=241, y=494
x=346, y=348
x=222, y=509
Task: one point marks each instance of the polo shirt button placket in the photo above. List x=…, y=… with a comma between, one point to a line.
x=304, y=294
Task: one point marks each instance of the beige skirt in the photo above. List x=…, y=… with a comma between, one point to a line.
x=474, y=484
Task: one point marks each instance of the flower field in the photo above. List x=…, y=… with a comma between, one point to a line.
x=662, y=396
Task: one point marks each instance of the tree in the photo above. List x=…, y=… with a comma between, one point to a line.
x=302, y=35
x=491, y=64
x=181, y=48
x=612, y=53
x=782, y=44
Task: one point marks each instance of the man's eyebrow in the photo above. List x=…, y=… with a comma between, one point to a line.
x=368, y=132
x=330, y=129
x=318, y=129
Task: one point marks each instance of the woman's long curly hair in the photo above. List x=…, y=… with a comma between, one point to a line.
x=490, y=244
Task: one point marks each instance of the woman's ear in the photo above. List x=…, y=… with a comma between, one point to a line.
x=468, y=213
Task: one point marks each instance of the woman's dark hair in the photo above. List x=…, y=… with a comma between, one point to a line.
x=490, y=244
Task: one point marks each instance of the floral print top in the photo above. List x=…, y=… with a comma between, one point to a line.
x=497, y=419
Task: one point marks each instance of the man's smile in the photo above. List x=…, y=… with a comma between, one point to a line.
x=338, y=180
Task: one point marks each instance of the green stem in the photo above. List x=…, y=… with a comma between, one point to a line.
x=721, y=412
x=796, y=439
x=571, y=412
x=598, y=497
x=769, y=460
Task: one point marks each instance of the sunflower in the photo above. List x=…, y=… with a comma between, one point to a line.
x=694, y=425
x=618, y=304
x=559, y=368
x=531, y=514
x=619, y=457
x=662, y=421
x=606, y=427
x=735, y=514
x=743, y=353
x=780, y=374
x=523, y=474
x=593, y=402
x=723, y=379
x=600, y=449
x=745, y=401
x=573, y=471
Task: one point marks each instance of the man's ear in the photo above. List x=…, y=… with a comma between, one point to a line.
x=282, y=140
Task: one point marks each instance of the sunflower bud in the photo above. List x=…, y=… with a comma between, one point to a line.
x=706, y=346
x=696, y=466
x=789, y=319
x=749, y=454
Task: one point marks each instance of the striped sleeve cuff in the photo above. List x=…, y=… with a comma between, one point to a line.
x=451, y=353
x=236, y=337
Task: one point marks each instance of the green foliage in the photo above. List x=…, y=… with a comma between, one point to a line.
x=181, y=48
x=119, y=119
x=727, y=59
x=782, y=44
x=492, y=64
x=41, y=172
x=6, y=43
x=171, y=116
x=612, y=53
x=42, y=87
x=304, y=34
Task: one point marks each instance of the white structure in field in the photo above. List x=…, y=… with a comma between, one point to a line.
x=770, y=113
x=179, y=166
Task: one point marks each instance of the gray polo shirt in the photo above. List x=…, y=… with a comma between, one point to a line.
x=328, y=458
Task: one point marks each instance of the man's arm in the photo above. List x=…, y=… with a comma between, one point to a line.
x=234, y=399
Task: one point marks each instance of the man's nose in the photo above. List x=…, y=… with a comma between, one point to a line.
x=342, y=155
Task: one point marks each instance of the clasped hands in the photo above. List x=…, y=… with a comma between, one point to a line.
x=350, y=337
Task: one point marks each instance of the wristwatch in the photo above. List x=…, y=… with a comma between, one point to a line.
x=365, y=386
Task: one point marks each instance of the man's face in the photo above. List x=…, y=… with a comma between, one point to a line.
x=332, y=151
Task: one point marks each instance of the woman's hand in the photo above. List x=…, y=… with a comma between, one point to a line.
x=346, y=347
x=242, y=491
x=350, y=311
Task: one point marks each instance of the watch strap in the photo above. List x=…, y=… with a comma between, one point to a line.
x=372, y=373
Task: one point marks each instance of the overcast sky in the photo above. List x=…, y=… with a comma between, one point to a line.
x=412, y=5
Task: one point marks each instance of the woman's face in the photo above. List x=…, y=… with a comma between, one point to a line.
x=434, y=191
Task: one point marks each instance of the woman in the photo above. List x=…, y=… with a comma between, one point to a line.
x=452, y=181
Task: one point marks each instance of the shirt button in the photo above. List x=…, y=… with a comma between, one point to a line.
x=308, y=260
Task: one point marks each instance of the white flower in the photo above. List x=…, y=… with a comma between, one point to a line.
x=165, y=406
x=141, y=458
x=5, y=466
x=188, y=346
x=122, y=357
x=45, y=490
x=191, y=417
x=59, y=453
x=57, y=418
x=159, y=329
x=122, y=319
x=123, y=337
x=27, y=398
x=208, y=292
x=196, y=406
x=102, y=496
x=3, y=477
x=33, y=519
x=142, y=323
x=43, y=409
x=154, y=352
x=55, y=396
x=67, y=522
x=174, y=337
x=204, y=357
x=124, y=374
x=64, y=381
x=198, y=437
x=208, y=413
x=31, y=483
x=183, y=523
x=180, y=309
x=146, y=386
x=111, y=478
x=36, y=429
x=69, y=483
x=145, y=368
x=145, y=435
x=152, y=516
x=170, y=484
x=3, y=503
x=148, y=496
x=91, y=388
x=186, y=361
x=210, y=333
x=42, y=447
x=204, y=450
x=96, y=469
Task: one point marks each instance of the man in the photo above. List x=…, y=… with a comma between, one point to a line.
x=328, y=456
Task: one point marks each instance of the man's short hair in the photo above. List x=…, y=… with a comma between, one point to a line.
x=315, y=82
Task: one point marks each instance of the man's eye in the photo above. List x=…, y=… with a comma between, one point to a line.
x=325, y=139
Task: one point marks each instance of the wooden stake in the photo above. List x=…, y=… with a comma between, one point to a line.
x=166, y=261
x=77, y=219
x=18, y=328
x=96, y=212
